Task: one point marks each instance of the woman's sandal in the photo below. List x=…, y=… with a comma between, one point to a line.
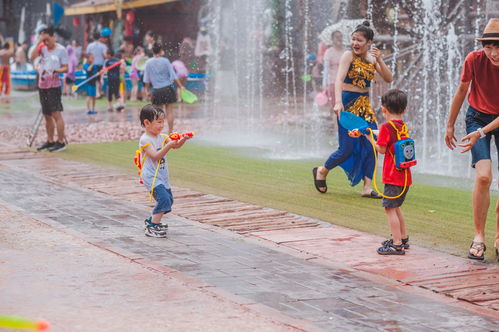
x=405, y=243
x=392, y=249
x=478, y=246
x=319, y=183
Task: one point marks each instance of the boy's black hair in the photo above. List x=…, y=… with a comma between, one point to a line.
x=89, y=55
x=395, y=101
x=50, y=30
x=150, y=112
x=110, y=51
x=156, y=48
x=490, y=42
x=365, y=29
x=6, y=46
x=96, y=35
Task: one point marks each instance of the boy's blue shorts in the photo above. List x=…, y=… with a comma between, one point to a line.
x=164, y=199
x=91, y=90
x=474, y=120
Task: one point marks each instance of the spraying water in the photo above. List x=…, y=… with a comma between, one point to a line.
x=261, y=49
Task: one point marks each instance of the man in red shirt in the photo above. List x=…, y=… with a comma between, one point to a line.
x=396, y=181
x=480, y=76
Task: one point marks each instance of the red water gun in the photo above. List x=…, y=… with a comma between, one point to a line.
x=177, y=136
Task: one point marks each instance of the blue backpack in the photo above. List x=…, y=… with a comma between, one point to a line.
x=404, y=149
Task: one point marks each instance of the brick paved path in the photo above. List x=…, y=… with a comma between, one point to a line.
x=302, y=286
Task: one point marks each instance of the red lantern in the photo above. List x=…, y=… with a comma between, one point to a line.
x=76, y=21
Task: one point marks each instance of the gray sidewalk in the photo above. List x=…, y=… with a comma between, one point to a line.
x=328, y=297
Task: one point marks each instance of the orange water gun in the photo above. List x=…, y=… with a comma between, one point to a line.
x=177, y=136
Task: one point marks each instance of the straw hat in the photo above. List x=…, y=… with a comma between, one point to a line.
x=491, y=31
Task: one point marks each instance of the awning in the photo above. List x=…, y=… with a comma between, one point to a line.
x=101, y=6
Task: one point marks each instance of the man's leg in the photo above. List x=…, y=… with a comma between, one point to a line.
x=49, y=127
x=59, y=122
x=169, y=117
x=481, y=200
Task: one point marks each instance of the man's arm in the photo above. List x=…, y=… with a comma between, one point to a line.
x=457, y=102
x=62, y=69
x=34, y=51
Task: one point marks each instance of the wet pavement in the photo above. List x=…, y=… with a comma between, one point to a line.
x=301, y=270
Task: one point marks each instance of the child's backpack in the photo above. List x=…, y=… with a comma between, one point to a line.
x=139, y=160
x=404, y=149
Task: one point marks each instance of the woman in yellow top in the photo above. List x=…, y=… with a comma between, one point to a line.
x=355, y=73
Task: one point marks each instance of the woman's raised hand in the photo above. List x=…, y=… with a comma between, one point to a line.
x=376, y=53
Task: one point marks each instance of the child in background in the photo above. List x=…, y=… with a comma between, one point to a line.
x=182, y=74
x=113, y=81
x=154, y=172
x=69, y=77
x=136, y=72
x=393, y=105
x=91, y=69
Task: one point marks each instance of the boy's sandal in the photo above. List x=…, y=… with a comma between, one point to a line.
x=392, y=249
x=478, y=246
x=319, y=183
x=405, y=243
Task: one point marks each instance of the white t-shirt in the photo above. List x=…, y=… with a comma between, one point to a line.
x=50, y=60
x=149, y=167
x=98, y=50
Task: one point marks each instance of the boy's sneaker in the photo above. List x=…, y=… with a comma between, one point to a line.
x=120, y=108
x=46, y=145
x=148, y=222
x=57, y=147
x=154, y=231
x=91, y=112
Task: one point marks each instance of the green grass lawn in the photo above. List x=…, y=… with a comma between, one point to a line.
x=436, y=217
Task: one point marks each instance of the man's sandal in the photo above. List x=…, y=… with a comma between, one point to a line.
x=478, y=246
x=392, y=249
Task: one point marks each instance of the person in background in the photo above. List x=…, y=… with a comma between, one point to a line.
x=5, y=54
x=53, y=61
x=78, y=51
x=69, y=77
x=136, y=72
x=160, y=74
x=332, y=63
x=20, y=56
x=113, y=81
x=90, y=69
x=149, y=39
x=182, y=73
x=98, y=49
x=127, y=48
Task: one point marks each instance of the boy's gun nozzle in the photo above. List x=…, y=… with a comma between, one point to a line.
x=177, y=136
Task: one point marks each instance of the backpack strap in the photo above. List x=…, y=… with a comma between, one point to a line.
x=402, y=133
x=139, y=160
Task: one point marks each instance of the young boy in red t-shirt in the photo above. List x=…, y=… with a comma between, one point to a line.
x=396, y=181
